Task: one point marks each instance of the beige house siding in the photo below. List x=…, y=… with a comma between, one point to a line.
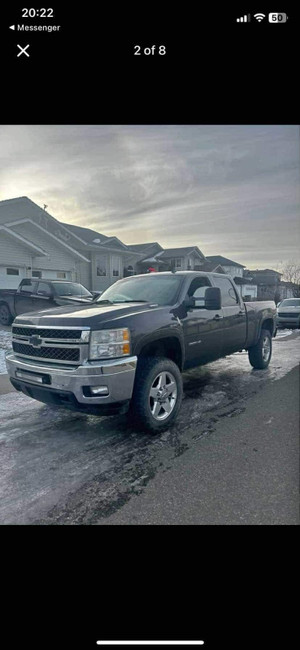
x=13, y=253
x=58, y=257
x=83, y=274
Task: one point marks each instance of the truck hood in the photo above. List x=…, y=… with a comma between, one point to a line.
x=91, y=316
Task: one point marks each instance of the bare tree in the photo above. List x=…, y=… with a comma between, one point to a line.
x=291, y=273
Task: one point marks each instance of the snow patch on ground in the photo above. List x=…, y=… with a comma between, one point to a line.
x=5, y=344
x=281, y=334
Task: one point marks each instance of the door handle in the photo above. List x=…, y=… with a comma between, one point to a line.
x=217, y=317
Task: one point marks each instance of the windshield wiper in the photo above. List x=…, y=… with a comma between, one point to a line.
x=118, y=301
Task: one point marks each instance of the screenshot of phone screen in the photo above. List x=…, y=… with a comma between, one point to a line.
x=149, y=323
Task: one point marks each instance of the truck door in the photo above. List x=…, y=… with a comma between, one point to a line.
x=23, y=297
x=202, y=327
x=234, y=316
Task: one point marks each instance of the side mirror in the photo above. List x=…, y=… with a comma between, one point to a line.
x=189, y=302
x=212, y=298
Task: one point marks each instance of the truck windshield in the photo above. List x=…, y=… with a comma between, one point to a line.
x=159, y=289
x=70, y=289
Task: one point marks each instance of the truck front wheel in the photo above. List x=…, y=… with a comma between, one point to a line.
x=5, y=315
x=157, y=393
x=260, y=354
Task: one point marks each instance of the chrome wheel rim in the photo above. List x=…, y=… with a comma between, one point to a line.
x=266, y=348
x=163, y=395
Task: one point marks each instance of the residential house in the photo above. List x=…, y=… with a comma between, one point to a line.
x=35, y=244
x=246, y=285
x=288, y=290
x=268, y=283
x=152, y=255
x=147, y=258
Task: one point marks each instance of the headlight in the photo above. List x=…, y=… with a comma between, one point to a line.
x=109, y=343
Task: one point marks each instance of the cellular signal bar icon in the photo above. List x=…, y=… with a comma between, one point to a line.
x=244, y=19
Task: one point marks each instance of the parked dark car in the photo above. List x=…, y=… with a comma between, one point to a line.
x=34, y=295
x=127, y=350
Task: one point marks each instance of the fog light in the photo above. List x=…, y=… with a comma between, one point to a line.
x=99, y=390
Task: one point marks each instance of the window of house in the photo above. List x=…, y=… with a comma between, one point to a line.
x=10, y=271
x=178, y=262
x=101, y=266
x=228, y=294
x=115, y=262
x=36, y=274
x=61, y=275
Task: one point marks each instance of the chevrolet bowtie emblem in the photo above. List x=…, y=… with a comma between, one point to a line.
x=36, y=341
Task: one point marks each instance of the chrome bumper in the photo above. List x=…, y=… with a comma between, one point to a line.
x=117, y=374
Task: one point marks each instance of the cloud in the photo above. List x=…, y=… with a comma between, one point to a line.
x=232, y=190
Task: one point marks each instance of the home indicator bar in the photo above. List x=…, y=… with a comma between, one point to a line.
x=153, y=643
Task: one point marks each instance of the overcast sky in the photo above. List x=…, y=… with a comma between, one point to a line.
x=230, y=190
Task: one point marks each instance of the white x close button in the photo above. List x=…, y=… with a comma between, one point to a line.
x=23, y=50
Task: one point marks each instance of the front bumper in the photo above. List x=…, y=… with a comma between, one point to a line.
x=66, y=386
x=287, y=322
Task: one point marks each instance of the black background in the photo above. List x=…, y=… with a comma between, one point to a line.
x=69, y=586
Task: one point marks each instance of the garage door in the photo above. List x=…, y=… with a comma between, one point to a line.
x=11, y=276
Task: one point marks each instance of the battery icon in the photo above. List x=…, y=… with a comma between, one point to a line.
x=277, y=18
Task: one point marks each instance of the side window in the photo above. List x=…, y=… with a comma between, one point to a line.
x=228, y=294
x=101, y=265
x=197, y=289
x=28, y=286
x=44, y=289
x=116, y=265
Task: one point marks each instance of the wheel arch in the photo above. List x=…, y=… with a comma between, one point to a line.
x=268, y=324
x=169, y=346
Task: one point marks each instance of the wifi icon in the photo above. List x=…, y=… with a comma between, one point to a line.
x=259, y=17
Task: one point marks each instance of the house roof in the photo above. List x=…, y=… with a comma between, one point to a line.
x=263, y=271
x=211, y=266
x=140, y=248
x=39, y=252
x=219, y=259
x=87, y=234
x=180, y=252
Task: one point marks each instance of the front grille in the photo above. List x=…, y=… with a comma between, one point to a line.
x=61, y=354
x=46, y=333
x=288, y=315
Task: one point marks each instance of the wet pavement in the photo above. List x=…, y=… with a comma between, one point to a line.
x=62, y=467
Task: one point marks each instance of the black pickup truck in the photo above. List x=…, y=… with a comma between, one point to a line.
x=34, y=295
x=127, y=350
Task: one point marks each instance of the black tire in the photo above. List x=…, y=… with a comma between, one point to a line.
x=5, y=315
x=260, y=354
x=148, y=412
